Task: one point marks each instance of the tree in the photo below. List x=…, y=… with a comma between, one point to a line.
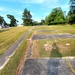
x=27, y=18
x=71, y=13
x=35, y=23
x=55, y=17
x=13, y=21
x=42, y=22
x=5, y=23
x=1, y=20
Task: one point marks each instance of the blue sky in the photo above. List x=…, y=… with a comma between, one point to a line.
x=38, y=8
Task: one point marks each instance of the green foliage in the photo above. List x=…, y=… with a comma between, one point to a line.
x=26, y=17
x=55, y=17
x=35, y=23
x=13, y=21
x=1, y=20
x=42, y=22
x=71, y=13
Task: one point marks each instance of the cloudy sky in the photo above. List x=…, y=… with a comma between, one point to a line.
x=38, y=8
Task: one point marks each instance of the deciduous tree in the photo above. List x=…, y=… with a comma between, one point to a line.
x=1, y=20
x=55, y=17
x=13, y=21
x=71, y=13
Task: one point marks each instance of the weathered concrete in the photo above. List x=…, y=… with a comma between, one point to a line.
x=53, y=66
x=52, y=36
x=46, y=30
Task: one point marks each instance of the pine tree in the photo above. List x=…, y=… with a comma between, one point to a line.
x=27, y=18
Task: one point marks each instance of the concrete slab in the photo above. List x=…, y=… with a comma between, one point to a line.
x=53, y=66
x=46, y=30
x=52, y=36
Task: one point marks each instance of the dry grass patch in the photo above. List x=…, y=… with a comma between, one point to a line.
x=7, y=38
x=35, y=52
x=55, y=29
x=50, y=48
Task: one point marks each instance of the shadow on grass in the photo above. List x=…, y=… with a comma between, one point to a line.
x=54, y=63
x=55, y=51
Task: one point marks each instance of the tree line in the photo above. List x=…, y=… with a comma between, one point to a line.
x=13, y=21
x=57, y=16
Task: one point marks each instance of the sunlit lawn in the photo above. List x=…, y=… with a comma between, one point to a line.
x=11, y=67
x=58, y=29
x=62, y=49
x=53, y=48
x=9, y=36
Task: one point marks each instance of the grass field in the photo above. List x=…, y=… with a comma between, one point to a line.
x=12, y=66
x=63, y=47
x=51, y=48
x=58, y=48
x=55, y=29
x=9, y=36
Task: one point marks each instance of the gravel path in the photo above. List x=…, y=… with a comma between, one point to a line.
x=52, y=66
x=52, y=36
x=11, y=50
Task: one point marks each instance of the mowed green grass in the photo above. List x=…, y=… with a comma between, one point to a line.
x=58, y=29
x=54, y=48
x=11, y=67
x=62, y=49
x=38, y=48
x=9, y=36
